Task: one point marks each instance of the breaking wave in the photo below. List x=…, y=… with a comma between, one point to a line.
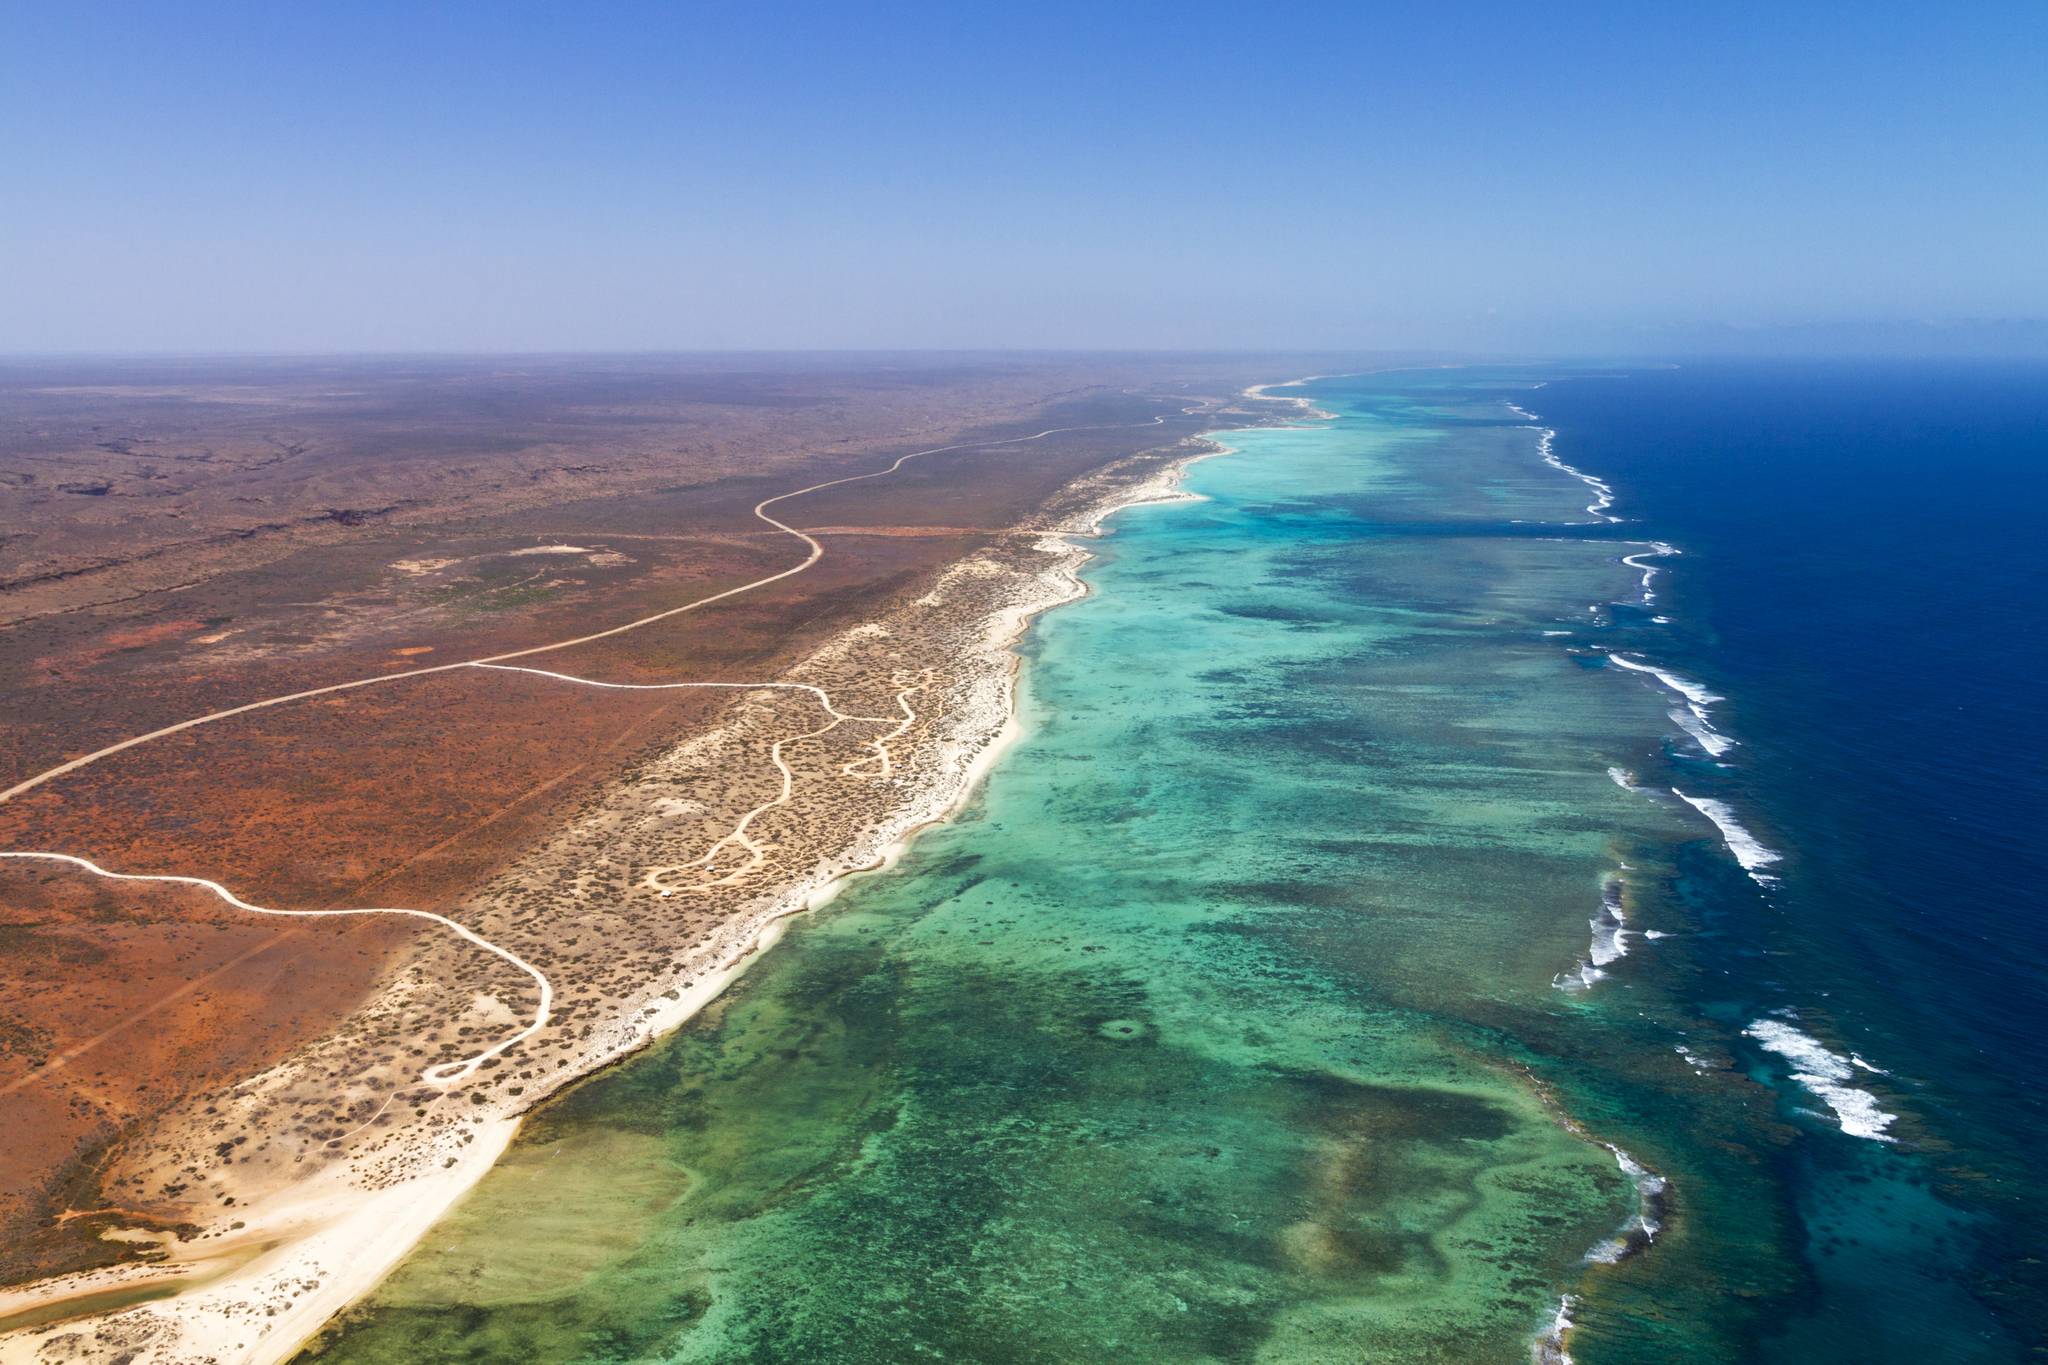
x=1657, y=550
x=1642, y=1229
x=1609, y=944
x=1826, y=1075
x=1747, y=848
x=1546, y=446
x=1548, y=1348
x=1694, y=718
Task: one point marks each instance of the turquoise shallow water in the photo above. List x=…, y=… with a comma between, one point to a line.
x=1226, y=1025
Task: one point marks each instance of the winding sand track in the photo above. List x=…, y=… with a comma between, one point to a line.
x=880, y=746
x=756, y=853
x=816, y=552
x=443, y=1074
x=447, y=1074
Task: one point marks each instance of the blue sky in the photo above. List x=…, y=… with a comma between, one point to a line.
x=629, y=176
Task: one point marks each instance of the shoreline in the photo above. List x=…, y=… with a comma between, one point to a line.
x=280, y=1284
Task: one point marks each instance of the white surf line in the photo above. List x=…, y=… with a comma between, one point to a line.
x=1694, y=719
x=1826, y=1074
x=1656, y=549
x=442, y=1074
x=760, y=511
x=1748, y=850
x=1546, y=446
x=1550, y=1347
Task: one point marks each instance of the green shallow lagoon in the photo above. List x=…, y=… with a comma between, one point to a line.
x=1224, y=1025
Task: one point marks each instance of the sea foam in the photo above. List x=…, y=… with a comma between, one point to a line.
x=1703, y=734
x=1648, y=1221
x=1694, y=719
x=1609, y=943
x=1656, y=549
x=1827, y=1075
x=1546, y=446
x=1652, y=1191
x=1747, y=848
x=1548, y=1349
x=1694, y=693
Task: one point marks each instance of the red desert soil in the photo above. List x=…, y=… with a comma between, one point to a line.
x=181, y=538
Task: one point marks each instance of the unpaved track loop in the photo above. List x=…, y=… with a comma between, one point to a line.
x=447, y=1074
x=443, y=1074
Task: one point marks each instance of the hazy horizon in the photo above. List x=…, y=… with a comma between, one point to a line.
x=2014, y=339
x=642, y=179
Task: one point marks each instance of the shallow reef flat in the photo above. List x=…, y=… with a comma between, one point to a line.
x=1226, y=1024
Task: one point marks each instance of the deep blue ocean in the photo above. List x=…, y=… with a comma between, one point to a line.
x=1863, y=577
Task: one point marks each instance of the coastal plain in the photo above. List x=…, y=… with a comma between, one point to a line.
x=209, y=1092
